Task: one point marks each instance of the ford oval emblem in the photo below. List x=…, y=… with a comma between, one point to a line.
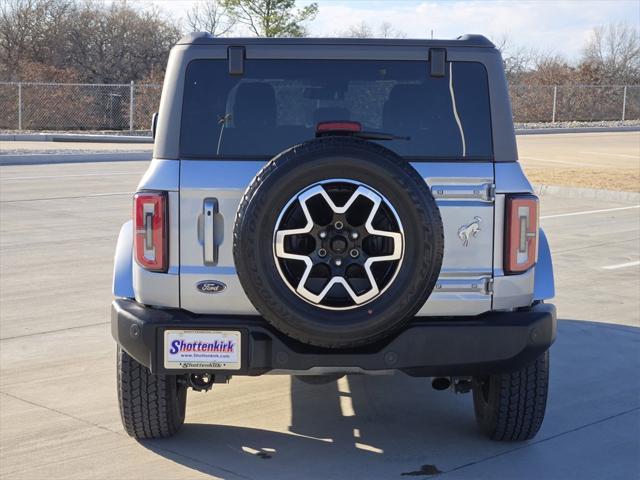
x=211, y=286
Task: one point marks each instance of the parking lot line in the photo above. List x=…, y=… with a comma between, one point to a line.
x=35, y=177
x=588, y=212
x=622, y=265
x=90, y=195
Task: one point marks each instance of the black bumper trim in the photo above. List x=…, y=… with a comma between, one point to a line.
x=494, y=342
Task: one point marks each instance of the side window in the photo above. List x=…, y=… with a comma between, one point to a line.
x=471, y=89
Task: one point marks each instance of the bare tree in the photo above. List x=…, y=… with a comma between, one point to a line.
x=32, y=30
x=365, y=30
x=387, y=30
x=359, y=30
x=612, y=54
x=516, y=59
x=102, y=42
x=117, y=43
x=210, y=16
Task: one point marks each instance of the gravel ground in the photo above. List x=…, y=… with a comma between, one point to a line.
x=607, y=160
x=143, y=133
x=623, y=180
x=607, y=123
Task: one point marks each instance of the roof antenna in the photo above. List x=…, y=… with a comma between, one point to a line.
x=432, y=34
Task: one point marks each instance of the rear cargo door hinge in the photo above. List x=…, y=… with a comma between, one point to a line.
x=489, y=286
x=485, y=191
x=236, y=60
x=482, y=285
x=437, y=60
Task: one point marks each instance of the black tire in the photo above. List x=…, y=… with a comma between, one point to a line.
x=151, y=406
x=318, y=160
x=511, y=406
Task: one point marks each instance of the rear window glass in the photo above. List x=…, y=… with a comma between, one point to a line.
x=278, y=103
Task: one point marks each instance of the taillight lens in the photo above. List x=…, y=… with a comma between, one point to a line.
x=338, y=126
x=521, y=241
x=151, y=222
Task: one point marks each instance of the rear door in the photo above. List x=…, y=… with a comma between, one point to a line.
x=233, y=124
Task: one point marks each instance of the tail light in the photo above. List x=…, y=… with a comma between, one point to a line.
x=521, y=242
x=151, y=224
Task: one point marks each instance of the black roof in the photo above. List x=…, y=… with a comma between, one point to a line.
x=204, y=38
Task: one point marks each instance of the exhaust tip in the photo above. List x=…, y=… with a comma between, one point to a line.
x=440, y=383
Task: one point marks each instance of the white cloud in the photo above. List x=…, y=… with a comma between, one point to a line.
x=561, y=26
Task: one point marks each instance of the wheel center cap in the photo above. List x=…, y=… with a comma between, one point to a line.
x=339, y=244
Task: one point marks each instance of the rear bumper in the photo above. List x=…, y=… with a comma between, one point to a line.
x=494, y=342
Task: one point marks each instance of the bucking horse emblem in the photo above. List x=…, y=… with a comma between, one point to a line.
x=465, y=232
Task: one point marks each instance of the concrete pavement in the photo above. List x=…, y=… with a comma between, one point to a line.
x=58, y=406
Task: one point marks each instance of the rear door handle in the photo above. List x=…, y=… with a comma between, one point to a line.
x=210, y=209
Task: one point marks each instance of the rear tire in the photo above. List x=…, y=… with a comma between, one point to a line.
x=511, y=406
x=151, y=406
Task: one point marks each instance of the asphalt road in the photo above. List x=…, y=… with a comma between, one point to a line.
x=58, y=408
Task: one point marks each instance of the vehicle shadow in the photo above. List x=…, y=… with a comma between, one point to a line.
x=390, y=426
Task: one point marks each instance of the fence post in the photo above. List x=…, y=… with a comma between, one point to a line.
x=131, y=106
x=624, y=103
x=555, y=95
x=19, y=106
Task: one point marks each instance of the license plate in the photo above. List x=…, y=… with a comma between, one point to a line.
x=205, y=349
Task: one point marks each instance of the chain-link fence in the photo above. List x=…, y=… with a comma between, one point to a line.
x=574, y=103
x=79, y=106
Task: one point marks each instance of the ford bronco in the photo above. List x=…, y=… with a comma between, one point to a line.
x=324, y=207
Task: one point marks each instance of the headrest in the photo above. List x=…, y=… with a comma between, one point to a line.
x=255, y=106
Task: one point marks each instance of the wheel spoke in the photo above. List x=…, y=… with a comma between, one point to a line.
x=282, y=234
x=338, y=274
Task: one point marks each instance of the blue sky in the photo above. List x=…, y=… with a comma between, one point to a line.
x=560, y=26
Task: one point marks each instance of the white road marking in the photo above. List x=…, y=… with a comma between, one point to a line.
x=588, y=212
x=622, y=265
x=368, y=448
x=67, y=176
x=90, y=195
x=346, y=406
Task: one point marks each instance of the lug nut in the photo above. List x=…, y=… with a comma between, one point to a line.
x=354, y=235
x=338, y=262
x=322, y=234
x=354, y=253
x=339, y=225
x=322, y=253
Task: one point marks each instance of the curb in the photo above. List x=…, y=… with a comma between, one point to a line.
x=78, y=138
x=45, y=158
x=588, y=193
x=542, y=131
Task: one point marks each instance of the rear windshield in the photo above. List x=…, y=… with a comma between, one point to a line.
x=276, y=104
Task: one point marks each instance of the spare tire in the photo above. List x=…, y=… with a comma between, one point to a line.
x=338, y=242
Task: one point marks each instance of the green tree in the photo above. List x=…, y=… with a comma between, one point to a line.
x=271, y=18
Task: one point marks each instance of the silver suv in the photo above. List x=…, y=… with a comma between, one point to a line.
x=323, y=207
